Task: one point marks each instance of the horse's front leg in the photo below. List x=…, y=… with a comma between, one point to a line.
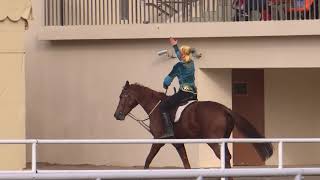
x=183, y=155
x=153, y=152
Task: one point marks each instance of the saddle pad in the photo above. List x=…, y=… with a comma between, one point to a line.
x=180, y=110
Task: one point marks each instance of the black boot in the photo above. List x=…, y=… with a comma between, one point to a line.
x=168, y=127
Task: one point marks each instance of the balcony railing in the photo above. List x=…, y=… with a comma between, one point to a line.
x=109, y=12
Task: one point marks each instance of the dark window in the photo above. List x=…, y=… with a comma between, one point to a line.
x=240, y=88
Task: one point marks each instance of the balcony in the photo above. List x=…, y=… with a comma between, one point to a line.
x=135, y=19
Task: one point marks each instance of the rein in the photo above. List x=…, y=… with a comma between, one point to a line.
x=142, y=121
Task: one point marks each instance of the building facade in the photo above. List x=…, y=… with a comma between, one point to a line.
x=80, y=53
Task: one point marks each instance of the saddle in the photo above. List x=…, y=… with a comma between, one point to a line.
x=176, y=113
x=181, y=108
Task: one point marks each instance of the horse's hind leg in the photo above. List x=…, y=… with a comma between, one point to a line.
x=183, y=155
x=216, y=150
x=153, y=152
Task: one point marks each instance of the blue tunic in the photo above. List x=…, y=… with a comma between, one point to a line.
x=184, y=71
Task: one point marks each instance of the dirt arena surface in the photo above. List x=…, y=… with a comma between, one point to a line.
x=45, y=166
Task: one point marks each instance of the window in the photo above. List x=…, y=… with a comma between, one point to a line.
x=240, y=89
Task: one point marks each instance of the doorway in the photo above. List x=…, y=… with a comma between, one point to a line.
x=248, y=100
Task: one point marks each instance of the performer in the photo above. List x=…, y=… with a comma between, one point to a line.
x=184, y=71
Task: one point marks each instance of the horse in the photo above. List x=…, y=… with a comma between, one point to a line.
x=201, y=119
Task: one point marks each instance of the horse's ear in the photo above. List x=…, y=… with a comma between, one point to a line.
x=127, y=84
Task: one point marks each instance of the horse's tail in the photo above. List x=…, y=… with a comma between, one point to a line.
x=265, y=150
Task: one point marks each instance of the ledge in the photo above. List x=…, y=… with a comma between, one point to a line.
x=182, y=30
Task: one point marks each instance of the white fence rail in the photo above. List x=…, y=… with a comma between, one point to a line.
x=35, y=173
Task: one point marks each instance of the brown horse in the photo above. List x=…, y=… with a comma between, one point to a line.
x=202, y=119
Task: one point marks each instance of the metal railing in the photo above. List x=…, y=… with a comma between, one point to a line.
x=35, y=173
x=110, y=12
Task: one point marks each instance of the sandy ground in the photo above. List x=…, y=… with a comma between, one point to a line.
x=45, y=166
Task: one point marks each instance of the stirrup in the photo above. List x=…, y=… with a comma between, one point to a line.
x=167, y=136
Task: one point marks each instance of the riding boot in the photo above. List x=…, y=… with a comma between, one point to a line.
x=168, y=127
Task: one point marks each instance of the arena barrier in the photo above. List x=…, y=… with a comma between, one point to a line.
x=199, y=174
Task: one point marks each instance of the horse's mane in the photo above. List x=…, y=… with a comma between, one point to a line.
x=153, y=93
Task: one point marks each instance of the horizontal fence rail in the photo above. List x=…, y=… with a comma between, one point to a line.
x=110, y=12
x=223, y=172
x=156, y=174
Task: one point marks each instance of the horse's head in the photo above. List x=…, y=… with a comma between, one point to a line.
x=127, y=102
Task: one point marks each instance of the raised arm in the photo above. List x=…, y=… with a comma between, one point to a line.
x=174, y=43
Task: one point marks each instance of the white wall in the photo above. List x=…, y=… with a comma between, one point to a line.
x=72, y=92
x=292, y=102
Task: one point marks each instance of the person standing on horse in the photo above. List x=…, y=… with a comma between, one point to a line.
x=184, y=70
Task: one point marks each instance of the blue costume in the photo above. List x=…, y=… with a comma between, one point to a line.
x=184, y=71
